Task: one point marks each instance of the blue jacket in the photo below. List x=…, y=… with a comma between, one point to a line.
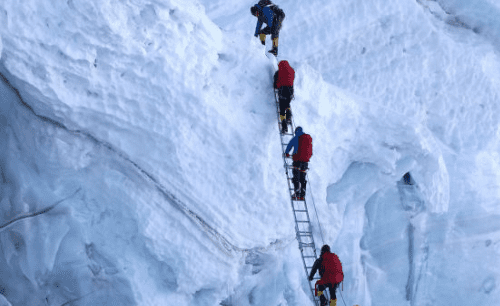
x=295, y=141
x=266, y=16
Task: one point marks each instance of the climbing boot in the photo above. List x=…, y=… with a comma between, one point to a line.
x=333, y=302
x=288, y=115
x=284, y=128
x=302, y=192
x=274, y=51
x=322, y=298
x=262, y=39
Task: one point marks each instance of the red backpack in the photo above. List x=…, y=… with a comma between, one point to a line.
x=333, y=269
x=305, y=150
x=286, y=75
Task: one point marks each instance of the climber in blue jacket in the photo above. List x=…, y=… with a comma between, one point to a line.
x=270, y=14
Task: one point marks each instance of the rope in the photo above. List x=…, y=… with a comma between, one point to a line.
x=342, y=298
x=314, y=205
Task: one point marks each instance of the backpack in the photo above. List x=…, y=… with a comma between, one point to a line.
x=332, y=269
x=278, y=12
x=304, y=152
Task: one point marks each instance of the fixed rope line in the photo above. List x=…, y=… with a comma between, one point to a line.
x=342, y=298
x=314, y=205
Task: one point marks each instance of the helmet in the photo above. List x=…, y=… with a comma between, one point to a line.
x=325, y=248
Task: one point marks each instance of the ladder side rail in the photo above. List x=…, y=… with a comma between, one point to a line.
x=315, y=298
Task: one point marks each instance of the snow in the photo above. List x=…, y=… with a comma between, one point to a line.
x=140, y=160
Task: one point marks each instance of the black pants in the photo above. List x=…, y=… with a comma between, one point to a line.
x=299, y=177
x=332, y=289
x=285, y=94
x=275, y=29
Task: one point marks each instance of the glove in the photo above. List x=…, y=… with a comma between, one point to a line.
x=311, y=278
x=287, y=155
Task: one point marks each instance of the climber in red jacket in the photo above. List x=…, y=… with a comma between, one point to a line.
x=330, y=271
x=283, y=82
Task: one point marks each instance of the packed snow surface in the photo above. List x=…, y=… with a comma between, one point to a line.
x=140, y=161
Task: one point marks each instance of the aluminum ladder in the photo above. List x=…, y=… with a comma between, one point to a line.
x=303, y=228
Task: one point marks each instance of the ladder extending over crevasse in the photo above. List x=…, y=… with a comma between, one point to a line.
x=303, y=227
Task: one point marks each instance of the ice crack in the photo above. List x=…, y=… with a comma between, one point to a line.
x=38, y=212
x=437, y=10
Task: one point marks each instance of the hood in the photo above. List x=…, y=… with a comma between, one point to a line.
x=325, y=249
x=284, y=65
x=298, y=131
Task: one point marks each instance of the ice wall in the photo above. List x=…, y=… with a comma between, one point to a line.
x=140, y=157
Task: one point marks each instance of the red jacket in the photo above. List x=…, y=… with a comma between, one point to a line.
x=332, y=267
x=286, y=75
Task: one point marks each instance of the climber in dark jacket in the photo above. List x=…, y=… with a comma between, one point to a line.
x=270, y=14
x=330, y=271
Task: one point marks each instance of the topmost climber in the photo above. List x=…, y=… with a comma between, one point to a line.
x=272, y=16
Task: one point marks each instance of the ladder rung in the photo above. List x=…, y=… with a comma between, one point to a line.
x=303, y=221
x=300, y=210
x=306, y=246
x=300, y=242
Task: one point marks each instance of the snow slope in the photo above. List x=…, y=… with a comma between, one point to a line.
x=140, y=160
